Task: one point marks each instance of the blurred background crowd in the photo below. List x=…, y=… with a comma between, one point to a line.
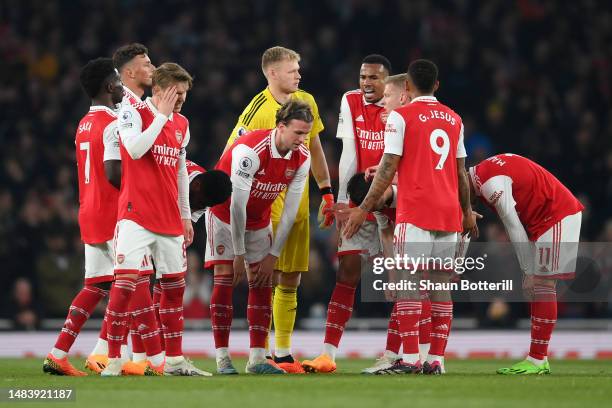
x=532, y=77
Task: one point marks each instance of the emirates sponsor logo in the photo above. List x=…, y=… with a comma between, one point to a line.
x=166, y=155
x=267, y=190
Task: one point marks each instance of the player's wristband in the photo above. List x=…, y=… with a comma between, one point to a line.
x=326, y=190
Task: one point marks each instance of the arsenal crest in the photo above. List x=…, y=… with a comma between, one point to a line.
x=289, y=173
x=179, y=136
x=220, y=249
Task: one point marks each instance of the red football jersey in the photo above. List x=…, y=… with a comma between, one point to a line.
x=97, y=197
x=363, y=120
x=429, y=137
x=541, y=200
x=273, y=175
x=130, y=97
x=149, y=187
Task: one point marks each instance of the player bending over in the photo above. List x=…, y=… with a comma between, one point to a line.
x=542, y=218
x=261, y=164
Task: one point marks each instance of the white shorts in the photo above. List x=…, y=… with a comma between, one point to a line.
x=220, y=247
x=133, y=242
x=365, y=241
x=556, y=250
x=99, y=262
x=427, y=249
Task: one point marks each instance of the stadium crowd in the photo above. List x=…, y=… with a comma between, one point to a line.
x=526, y=76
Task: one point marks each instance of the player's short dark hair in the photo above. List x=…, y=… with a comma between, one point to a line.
x=94, y=75
x=297, y=110
x=424, y=74
x=126, y=53
x=170, y=73
x=358, y=188
x=378, y=59
x=213, y=187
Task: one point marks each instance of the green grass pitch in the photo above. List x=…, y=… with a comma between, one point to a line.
x=470, y=383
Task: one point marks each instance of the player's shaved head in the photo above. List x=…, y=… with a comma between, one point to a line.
x=378, y=59
x=209, y=188
x=423, y=74
x=127, y=53
x=357, y=188
x=96, y=74
x=277, y=54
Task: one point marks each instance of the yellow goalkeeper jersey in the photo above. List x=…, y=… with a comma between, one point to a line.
x=260, y=113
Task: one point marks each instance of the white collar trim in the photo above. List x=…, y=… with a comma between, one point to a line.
x=97, y=108
x=426, y=98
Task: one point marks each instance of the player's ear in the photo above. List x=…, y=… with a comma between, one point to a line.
x=156, y=89
x=436, y=86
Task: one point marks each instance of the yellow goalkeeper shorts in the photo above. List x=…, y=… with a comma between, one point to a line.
x=294, y=257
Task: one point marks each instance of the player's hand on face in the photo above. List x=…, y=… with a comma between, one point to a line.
x=188, y=232
x=265, y=271
x=370, y=173
x=167, y=100
x=356, y=217
x=239, y=269
x=326, y=211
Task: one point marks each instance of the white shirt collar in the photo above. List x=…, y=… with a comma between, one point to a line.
x=97, y=108
x=426, y=98
x=274, y=150
x=379, y=103
x=132, y=94
x=149, y=102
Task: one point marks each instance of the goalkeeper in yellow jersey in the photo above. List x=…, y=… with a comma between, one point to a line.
x=281, y=68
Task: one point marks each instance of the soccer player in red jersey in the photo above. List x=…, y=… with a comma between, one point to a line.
x=97, y=204
x=424, y=144
x=154, y=214
x=362, y=132
x=136, y=71
x=542, y=219
x=261, y=164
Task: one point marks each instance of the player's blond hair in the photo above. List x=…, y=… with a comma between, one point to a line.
x=398, y=80
x=170, y=73
x=277, y=54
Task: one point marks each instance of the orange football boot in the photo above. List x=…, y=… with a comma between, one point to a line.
x=292, y=368
x=96, y=362
x=134, y=368
x=60, y=366
x=321, y=364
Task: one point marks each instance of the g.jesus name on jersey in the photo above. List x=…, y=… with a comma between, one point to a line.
x=267, y=172
x=429, y=137
x=96, y=141
x=149, y=191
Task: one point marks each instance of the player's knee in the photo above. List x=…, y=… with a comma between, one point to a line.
x=349, y=270
x=290, y=280
x=223, y=270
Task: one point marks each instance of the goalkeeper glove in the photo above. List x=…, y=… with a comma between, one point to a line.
x=326, y=212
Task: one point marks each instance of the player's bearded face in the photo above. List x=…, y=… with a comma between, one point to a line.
x=292, y=135
x=288, y=75
x=372, y=81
